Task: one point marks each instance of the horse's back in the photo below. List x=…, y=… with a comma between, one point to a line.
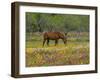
x=53, y=35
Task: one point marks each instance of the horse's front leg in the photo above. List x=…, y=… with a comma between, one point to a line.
x=64, y=41
x=56, y=42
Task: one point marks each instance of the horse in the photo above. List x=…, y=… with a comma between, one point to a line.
x=53, y=36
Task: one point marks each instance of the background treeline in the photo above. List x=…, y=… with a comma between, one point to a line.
x=41, y=22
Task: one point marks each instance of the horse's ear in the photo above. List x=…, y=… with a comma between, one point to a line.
x=66, y=33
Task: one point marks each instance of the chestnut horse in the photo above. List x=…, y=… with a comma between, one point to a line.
x=53, y=36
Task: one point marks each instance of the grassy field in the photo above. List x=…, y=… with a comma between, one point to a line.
x=76, y=51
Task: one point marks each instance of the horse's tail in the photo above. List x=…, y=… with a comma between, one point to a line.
x=45, y=35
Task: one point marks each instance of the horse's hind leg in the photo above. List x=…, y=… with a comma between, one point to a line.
x=44, y=41
x=48, y=42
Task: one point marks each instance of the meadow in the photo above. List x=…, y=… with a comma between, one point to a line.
x=75, y=52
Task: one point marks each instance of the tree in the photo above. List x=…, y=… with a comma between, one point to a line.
x=39, y=22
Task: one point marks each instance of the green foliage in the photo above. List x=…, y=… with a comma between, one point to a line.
x=39, y=22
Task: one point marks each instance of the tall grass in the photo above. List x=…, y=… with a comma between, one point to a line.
x=76, y=52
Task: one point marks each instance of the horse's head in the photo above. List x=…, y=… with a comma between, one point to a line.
x=63, y=37
x=65, y=40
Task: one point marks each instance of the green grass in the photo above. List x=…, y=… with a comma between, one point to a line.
x=76, y=52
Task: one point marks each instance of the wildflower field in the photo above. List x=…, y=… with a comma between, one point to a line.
x=75, y=52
